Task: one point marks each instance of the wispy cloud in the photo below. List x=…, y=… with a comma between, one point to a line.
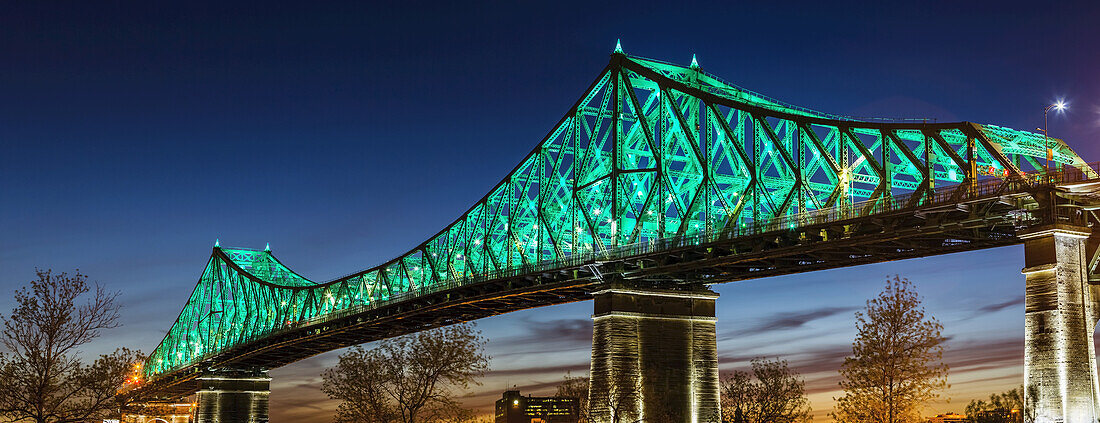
x=995, y=307
x=558, y=335
x=575, y=368
x=985, y=354
x=788, y=320
x=1002, y=305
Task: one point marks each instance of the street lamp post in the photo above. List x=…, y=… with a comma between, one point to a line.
x=1057, y=106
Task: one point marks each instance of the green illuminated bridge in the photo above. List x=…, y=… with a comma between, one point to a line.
x=663, y=177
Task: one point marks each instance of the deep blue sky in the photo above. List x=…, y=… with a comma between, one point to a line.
x=135, y=134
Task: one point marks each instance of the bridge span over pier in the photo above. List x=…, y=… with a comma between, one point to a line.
x=660, y=181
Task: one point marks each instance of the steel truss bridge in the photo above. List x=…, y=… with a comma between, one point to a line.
x=659, y=174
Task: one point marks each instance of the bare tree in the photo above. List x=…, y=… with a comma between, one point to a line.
x=41, y=376
x=407, y=379
x=777, y=395
x=738, y=397
x=896, y=363
x=619, y=402
x=576, y=387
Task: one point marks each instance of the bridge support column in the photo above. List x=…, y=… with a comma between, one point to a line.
x=654, y=356
x=1059, y=319
x=232, y=396
x=157, y=412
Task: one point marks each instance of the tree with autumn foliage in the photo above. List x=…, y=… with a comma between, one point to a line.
x=896, y=363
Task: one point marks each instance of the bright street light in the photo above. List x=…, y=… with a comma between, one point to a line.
x=1059, y=106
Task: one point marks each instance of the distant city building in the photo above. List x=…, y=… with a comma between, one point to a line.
x=516, y=408
x=949, y=418
x=1013, y=416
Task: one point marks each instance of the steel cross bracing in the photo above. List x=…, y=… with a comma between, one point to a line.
x=654, y=157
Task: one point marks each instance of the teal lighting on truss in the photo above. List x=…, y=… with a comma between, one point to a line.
x=650, y=151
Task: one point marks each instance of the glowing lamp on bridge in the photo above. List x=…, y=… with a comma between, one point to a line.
x=1058, y=106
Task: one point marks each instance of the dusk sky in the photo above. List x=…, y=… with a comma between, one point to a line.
x=346, y=133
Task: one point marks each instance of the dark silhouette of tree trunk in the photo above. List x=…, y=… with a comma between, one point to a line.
x=41, y=378
x=896, y=362
x=777, y=395
x=408, y=379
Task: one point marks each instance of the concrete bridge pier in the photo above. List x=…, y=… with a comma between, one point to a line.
x=1059, y=318
x=654, y=357
x=233, y=396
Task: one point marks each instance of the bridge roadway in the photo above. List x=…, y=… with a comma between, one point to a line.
x=987, y=214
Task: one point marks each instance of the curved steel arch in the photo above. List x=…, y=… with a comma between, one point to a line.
x=650, y=151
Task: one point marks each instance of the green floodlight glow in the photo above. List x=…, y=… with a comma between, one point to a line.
x=267, y=247
x=651, y=152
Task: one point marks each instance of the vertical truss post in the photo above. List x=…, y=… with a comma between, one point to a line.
x=971, y=161
x=798, y=167
x=929, y=165
x=659, y=184
x=756, y=146
x=887, y=168
x=710, y=127
x=573, y=192
x=845, y=167
x=616, y=153
x=704, y=160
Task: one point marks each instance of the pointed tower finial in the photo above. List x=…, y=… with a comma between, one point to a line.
x=694, y=63
x=618, y=46
x=217, y=243
x=267, y=247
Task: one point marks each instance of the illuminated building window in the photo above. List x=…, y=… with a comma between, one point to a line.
x=516, y=408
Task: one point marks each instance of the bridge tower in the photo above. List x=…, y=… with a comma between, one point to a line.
x=158, y=412
x=1060, y=316
x=233, y=396
x=654, y=356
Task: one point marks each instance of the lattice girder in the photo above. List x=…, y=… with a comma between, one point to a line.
x=650, y=151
